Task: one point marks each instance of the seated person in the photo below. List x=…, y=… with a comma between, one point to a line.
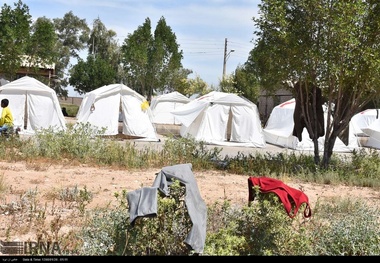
x=6, y=119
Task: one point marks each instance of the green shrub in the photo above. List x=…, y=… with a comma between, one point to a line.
x=223, y=235
x=347, y=228
x=110, y=233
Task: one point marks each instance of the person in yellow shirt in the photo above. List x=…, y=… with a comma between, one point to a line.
x=6, y=119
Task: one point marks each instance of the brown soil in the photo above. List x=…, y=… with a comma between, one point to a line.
x=103, y=183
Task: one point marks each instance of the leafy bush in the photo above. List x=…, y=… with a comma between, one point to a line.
x=110, y=233
x=347, y=228
x=261, y=228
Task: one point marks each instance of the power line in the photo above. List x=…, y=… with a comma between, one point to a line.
x=210, y=47
x=213, y=42
x=196, y=47
x=213, y=48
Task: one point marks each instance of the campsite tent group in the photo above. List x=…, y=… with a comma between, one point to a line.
x=363, y=131
x=216, y=118
x=35, y=106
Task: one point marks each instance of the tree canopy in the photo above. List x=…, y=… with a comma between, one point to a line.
x=152, y=62
x=331, y=45
x=101, y=66
x=14, y=37
x=146, y=62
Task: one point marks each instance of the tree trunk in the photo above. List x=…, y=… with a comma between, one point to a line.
x=328, y=150
x=316, y=151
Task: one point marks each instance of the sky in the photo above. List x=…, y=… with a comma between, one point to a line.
x=201, y=27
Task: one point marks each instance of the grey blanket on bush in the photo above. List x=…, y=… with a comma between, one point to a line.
x=143, y=202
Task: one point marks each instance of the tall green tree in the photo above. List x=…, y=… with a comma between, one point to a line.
x=103, y=43
x=166, y=57
x=247, y=83
x=135, y=57
x=327, y=44
x=73, y=34
x=178, y=80
x=102, y=63
x=14, y=37
x=195, y=86
x=152, y=62
x=41, y=48
x=91, y=74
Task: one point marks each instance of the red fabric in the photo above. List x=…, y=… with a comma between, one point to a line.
x=291, y=198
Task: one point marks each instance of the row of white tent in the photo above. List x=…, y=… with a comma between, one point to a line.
x=279, y=129
x=215, y=118
x=363, y=131
x=226, y=119
x=35, y=106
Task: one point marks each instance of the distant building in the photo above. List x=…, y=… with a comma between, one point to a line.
x=70, y=100
x=268, y=102
x=34, y=69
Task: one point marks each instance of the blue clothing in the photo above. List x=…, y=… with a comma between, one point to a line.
x=4, y=128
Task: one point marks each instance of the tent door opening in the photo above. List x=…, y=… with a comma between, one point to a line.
x=229, y=125
x=26, y=114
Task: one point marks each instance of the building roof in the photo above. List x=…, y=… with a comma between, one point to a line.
x=27, y=63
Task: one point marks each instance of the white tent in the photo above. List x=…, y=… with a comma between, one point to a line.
x=162, y=106
x=101, y=108
x=279, y=130
x=34, y=105
x=373, y=133
x=223, y=119
x=3, y=81
x=363, y=126
x=362, y=120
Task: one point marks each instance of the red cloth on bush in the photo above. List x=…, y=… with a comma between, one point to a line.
x=291, y=198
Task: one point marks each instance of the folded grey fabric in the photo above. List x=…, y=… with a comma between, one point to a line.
x=142, y=202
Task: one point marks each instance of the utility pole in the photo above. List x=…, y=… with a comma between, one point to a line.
x=226, y=57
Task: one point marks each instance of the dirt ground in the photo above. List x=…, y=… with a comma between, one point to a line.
x=103, y=183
